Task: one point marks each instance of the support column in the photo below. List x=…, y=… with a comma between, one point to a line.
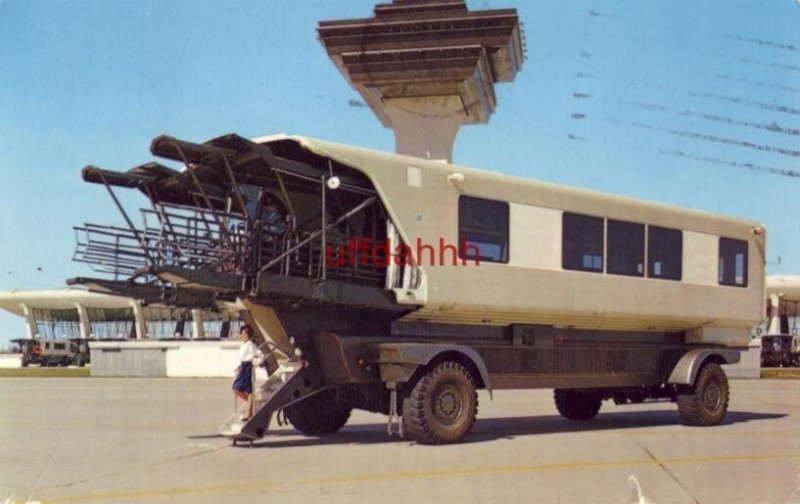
x=426, y=127
x=83, y=320
x=139, y=320
x=774, y=323
x=198, y=332
x=30, y=321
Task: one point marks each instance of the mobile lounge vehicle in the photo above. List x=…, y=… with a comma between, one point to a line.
x=406, y=284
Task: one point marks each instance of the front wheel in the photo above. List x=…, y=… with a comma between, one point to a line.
x=442, y=406
x=707, y=402
x=319, y=414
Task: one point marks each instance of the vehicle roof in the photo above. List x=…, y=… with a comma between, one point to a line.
x=381, y=167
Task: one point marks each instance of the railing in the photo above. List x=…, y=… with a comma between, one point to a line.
x=112, y=250
x=200, y=239
x=185, y=237
x=346, y=259
x=172, y=236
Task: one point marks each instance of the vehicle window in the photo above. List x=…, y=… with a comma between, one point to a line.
x=582, y=238
x=483, y=229
x=625, y=248
x=664, y=253
x=732, y=262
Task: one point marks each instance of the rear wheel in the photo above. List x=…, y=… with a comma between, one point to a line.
x=442, y=405
x=319, y=414
x=707, y=402
x=577, y=404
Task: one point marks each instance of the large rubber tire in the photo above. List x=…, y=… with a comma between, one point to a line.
x=577, y=404
x=442, y=406
x=707, y=402
x=318, y=414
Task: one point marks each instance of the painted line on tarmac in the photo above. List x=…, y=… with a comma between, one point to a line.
x=477, y=471
x=705, y=432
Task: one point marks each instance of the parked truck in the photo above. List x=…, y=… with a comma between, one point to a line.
x=402, y=285
x=53, y=352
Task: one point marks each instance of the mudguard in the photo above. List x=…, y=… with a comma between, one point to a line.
x=685, y=371
x=421, y=354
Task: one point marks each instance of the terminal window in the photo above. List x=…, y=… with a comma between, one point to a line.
x=664, y=253
x=582, y=237
x=483, y=228
x=625, y=248
x=732, y=262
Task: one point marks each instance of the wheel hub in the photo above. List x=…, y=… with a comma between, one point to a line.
x=448, y=405
x=712, y=396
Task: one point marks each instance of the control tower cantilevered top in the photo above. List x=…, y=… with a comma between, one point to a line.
x=426, y=67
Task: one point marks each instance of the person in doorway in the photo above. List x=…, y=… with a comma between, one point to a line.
x=249, y=355
x=274, y=220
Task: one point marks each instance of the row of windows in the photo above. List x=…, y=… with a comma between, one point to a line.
x=588, y=241
x=584, y=247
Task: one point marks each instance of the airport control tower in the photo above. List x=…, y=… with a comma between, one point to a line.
x=426, y=67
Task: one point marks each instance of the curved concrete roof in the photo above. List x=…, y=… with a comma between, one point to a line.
x=12, y=301
x=785, y=286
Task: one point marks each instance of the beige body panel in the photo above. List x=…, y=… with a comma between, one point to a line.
x=421, y=198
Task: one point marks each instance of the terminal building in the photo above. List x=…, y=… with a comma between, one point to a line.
x=128, y=338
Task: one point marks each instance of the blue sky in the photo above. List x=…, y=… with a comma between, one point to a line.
x=689, y=103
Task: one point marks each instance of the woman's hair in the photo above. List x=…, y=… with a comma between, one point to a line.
x=247, y=330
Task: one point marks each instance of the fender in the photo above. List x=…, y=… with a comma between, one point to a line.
x=685, y=371
x=412, y=355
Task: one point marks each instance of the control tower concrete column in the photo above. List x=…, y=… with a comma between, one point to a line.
x=426, y=67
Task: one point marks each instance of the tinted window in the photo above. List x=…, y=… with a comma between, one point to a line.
x=664, y=253
x=483, y=229
x=625, y=248
x=582, y=242
x=732, y=262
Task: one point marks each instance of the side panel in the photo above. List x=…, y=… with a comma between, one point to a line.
x=700, y=258
x=524, y=357
x=535, y=237
x=587, y=365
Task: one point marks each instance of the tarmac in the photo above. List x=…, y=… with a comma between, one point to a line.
x=156, y=441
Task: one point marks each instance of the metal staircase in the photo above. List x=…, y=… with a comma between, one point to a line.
x=291, y=382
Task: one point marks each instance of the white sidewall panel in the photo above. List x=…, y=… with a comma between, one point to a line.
x=535, y=235
x=700, y=257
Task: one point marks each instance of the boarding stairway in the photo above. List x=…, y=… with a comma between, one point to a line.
x=291, y=382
